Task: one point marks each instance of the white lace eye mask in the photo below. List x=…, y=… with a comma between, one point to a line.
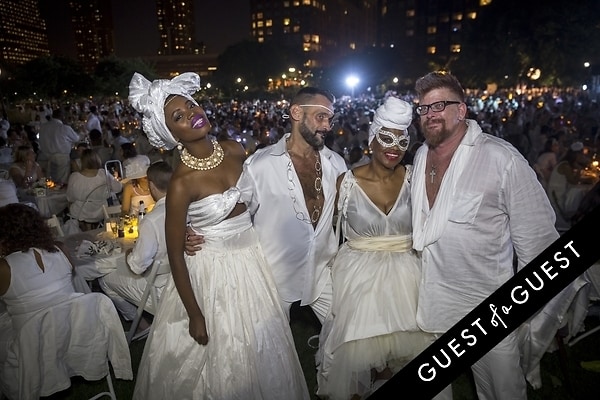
x=387, y=139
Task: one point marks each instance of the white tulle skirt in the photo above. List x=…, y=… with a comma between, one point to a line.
x=372, y=323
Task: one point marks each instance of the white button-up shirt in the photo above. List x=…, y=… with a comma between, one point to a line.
x=150, y=245
x=490, y=202
x=296, y=252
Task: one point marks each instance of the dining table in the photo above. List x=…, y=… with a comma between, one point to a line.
x=49, y=201
x=95, y=253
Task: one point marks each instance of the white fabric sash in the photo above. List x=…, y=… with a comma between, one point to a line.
x=395, y=243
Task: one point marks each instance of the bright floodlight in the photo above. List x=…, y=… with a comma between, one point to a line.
x=352, y=81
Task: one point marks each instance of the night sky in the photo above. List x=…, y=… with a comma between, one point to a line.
x=218, y=25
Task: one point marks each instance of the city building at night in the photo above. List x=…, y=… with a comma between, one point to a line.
x=22, y=32
x=93, y=31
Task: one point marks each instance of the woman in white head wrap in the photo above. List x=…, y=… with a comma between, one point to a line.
x=219, y=331
x=371, y=331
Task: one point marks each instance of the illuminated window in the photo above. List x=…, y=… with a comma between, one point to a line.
x=410, y=13
x=286, y=4
x=306, y=2
x=261, y=40
x=485, y=2
x=269, y=22
x=259, y=15
x=286, y=22
x=455, y=48
x=315, y=39
x=472, y=15
x=296, y=3
x=431, y=30
x=296, y=28
x=457, y=16
x=431, y=50
x=260, y=24
x=353, y=46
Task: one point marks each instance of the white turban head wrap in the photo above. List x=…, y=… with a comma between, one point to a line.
x=148, y=98
x=394, y=113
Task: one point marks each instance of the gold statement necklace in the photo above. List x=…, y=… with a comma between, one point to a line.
x=203, y=164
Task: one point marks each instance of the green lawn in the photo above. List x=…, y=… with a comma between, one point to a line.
x=584, y=384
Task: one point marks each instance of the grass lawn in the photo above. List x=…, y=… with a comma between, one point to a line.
x=570, y=383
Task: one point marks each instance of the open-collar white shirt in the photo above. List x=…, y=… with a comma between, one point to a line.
x=490, y=200
x=297, y=253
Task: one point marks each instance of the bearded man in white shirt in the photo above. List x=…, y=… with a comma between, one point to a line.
x=476, y=204
x=290, y=189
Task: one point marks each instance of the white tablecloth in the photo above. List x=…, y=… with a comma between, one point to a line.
x=88, y=268
x=54, y=202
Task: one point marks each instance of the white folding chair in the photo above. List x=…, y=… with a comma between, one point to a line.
x=157, y=268
x=82, y=336
x=55, y=226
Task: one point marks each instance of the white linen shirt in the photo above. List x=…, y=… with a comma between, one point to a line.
x=297, y=253
x=57, y=138
x=150, y=245
x=490, y=200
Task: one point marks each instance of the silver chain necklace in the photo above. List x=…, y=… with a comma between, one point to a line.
x=316, y=212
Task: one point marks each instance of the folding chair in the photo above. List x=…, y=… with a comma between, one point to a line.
x=156, y=268
x=55, y=226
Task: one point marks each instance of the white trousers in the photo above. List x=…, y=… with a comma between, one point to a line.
x=125, y=289
x=498, y=374
x=59, y=166
x=320, y=306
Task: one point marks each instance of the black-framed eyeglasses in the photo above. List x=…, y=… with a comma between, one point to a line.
x=438, y=106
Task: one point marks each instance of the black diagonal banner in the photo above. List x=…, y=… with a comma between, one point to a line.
x=500, y=314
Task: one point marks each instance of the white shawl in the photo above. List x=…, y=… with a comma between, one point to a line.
x=428, y=224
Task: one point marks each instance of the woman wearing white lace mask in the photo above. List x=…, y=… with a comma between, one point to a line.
x=371, y=332
x=220, y=311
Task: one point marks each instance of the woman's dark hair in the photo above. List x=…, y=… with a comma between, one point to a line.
x=23, y=227
x=129, y=150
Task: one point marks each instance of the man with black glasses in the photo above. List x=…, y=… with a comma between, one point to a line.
x=476, y=204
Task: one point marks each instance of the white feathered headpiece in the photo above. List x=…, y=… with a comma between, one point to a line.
x=393, y=113
x=149, y=98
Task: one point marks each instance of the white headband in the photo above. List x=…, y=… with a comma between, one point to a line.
x=149, y=98
x=394, y=113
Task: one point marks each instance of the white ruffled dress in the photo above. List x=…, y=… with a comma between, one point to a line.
x=376, y=277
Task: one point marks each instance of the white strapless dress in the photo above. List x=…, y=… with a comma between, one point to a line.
x=251, y=352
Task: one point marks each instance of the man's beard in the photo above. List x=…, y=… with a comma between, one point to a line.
x=437, y=135
x=312, y=138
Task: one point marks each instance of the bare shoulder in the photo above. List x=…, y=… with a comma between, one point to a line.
x=233, y=147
